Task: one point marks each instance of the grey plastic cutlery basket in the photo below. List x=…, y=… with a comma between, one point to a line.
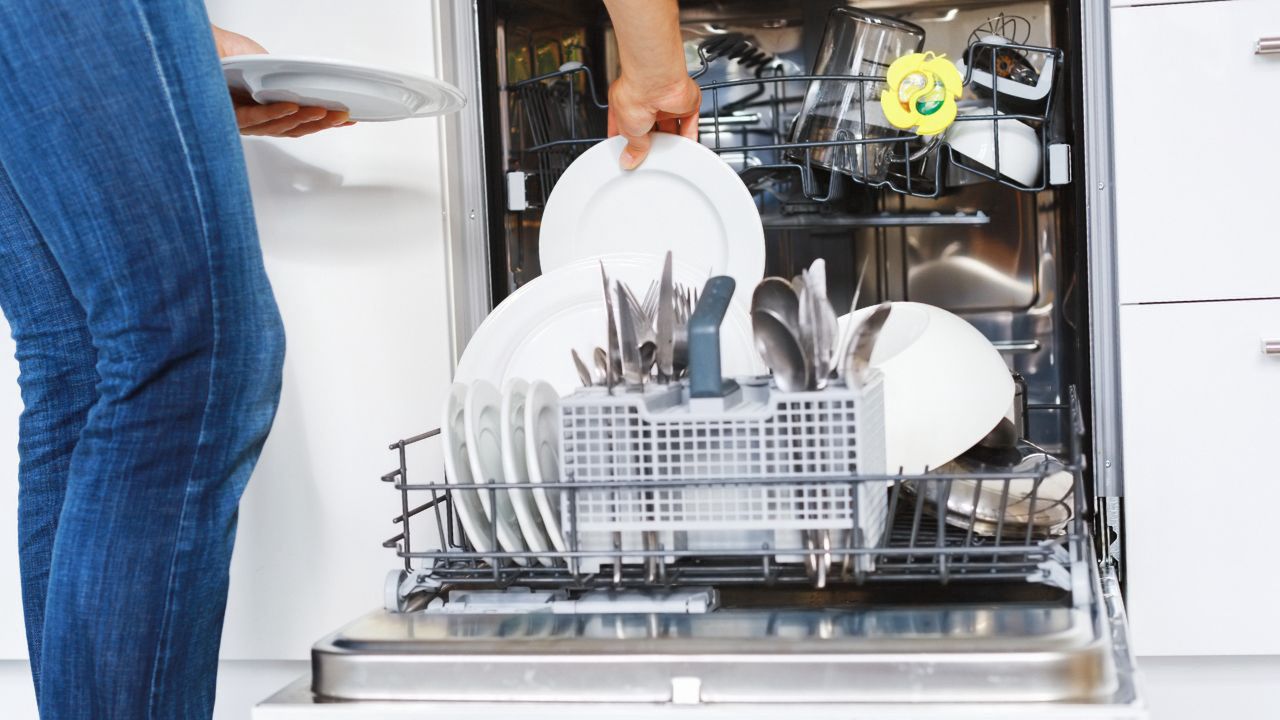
x=743, y=468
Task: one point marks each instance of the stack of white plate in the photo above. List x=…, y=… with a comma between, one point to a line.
x=682, y=199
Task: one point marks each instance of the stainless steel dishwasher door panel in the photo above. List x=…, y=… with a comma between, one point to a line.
x=1002, y=654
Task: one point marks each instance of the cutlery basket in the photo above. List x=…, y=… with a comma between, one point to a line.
x=747, y=471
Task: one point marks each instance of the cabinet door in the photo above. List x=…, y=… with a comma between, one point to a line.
x=1197, y=156
x=1201, y=404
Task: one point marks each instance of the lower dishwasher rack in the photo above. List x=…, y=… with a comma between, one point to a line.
x=978, y=624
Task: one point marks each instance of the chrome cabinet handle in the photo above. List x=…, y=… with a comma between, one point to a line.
x=1271, y=347
x=1267, y=46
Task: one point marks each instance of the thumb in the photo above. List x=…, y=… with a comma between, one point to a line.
x=635, y=152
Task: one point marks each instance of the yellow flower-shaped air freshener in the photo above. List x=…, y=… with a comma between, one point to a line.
x=922, y=93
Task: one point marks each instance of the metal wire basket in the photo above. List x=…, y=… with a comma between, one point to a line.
x=916, y=542
x=561, y=121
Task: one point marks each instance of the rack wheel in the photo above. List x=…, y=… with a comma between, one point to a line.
x=391, y=599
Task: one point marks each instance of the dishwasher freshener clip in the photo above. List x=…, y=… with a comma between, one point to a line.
x=922, y=93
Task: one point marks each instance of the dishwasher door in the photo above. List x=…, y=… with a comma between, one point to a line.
x=971, y=656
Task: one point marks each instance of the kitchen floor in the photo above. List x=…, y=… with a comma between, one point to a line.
x=1239, y=688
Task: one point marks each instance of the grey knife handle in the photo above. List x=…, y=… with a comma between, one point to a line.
x=705, y=380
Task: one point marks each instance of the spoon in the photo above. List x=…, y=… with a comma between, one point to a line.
x=776, y=295
x=780, y=350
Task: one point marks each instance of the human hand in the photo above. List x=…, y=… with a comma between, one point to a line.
x=274, y=119
x=636, y=108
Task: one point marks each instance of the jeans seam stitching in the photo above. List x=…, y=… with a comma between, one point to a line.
x=166, y=617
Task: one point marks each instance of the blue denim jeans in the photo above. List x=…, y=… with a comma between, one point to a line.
x=149, y=344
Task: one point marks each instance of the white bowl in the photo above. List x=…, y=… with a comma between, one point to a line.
x=1021, y=156
x=945, y=384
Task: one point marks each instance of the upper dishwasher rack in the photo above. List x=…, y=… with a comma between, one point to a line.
x=561, y=115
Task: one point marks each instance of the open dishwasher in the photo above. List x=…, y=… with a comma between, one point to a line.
x=917, y=603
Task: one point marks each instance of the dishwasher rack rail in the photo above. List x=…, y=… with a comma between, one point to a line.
x=918, y=543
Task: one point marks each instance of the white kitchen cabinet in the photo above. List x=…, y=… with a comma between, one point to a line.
x=1202, y=476
x=1195, y=150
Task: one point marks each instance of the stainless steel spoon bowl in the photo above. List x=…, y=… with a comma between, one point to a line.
x=780, y=349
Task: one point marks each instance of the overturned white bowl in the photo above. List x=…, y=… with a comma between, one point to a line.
x=945, y=384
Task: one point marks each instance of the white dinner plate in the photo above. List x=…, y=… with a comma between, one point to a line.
x=368, y=93
x=483, y=415
x=516, y=467
x=682, y=198
x=542, y=451
x=529, y=335
x=457, y=470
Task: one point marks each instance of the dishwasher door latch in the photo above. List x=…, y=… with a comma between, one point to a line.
x=517, y=195
x=1059, y=164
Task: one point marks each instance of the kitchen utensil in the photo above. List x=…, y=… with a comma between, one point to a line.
x=1019, y=157
x=628, y=338
x=601, y=359
x=366, y=92
x=483, y=417
x=804, y=326
x=683, y=197
x=529, y=334
x=457, y=471
x=542, y=454
x=826, y=325
x=776, y=294
x=1020, y=84
x=584, y=374
x=666, y=320
x=862, y=346
x=946, y=385
x=615, y=351
x=515, y=467
x=859, y=43
x=646, y=338
x=778, y=345
x=1041, y=500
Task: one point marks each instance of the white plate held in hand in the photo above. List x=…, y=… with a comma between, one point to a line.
x=682, y=198
x=368, y=93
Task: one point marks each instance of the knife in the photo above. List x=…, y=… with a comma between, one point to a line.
x=666, y=323
x=630, y=346
x=862, y=345
x=611, y=374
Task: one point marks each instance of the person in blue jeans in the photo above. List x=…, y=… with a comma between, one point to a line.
x=148, y=339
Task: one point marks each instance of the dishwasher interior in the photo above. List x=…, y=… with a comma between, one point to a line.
x=922, y=607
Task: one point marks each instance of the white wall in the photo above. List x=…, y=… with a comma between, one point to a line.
x=352, y=232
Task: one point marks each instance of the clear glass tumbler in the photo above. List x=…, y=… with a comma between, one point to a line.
x=854, y=43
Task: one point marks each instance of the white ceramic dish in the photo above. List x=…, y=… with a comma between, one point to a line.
x=529, y=335
x=483, y=415
x=1021, y=156
x=542, y=451
x=683, y=198
x=457, y=470
x=368, y=93
x=515, y=466
x=945, y=385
